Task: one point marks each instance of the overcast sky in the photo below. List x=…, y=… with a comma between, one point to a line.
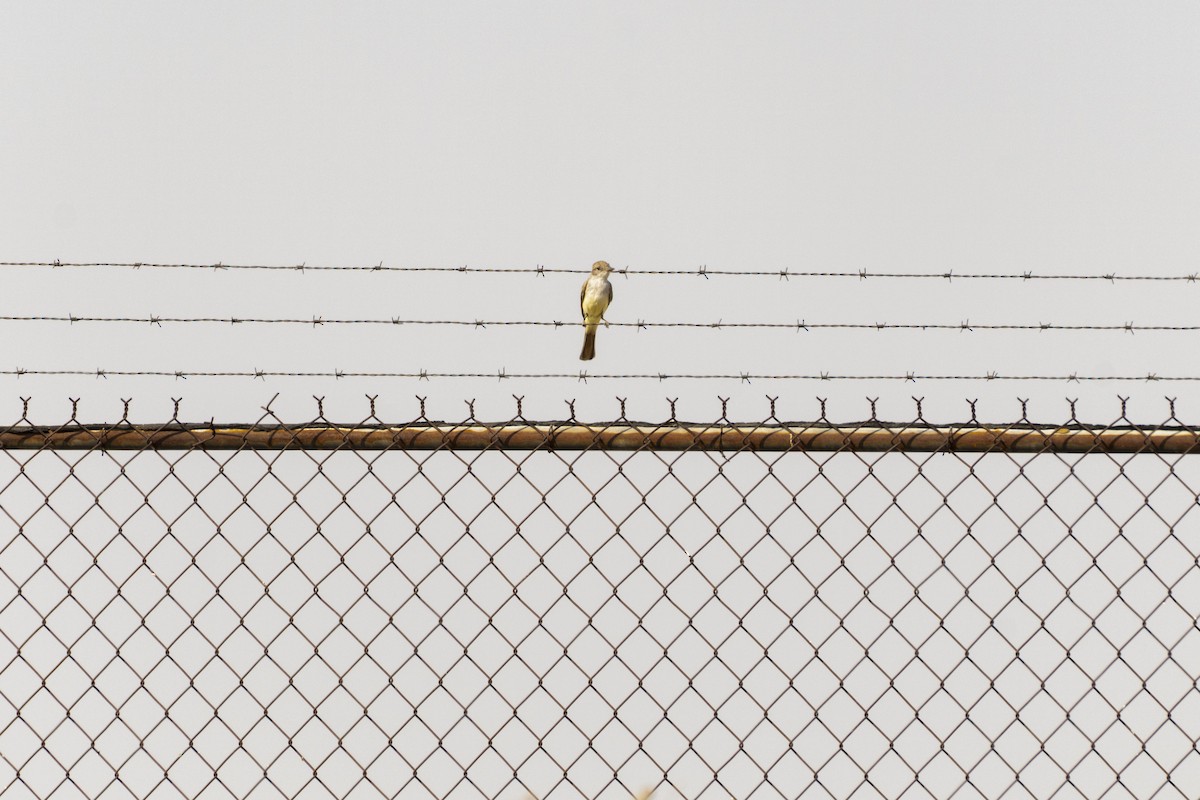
x=1049, y=137
x=1053, y=138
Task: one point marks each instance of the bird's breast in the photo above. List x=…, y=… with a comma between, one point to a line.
x=595, y=299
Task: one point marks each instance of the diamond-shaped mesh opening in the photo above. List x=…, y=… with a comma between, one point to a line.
x=590, y=620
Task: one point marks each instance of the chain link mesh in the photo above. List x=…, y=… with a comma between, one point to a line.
x=448, y=622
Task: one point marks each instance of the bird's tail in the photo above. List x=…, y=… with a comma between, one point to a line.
x=589, y=344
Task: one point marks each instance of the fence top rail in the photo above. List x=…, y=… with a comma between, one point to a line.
x=617, y=436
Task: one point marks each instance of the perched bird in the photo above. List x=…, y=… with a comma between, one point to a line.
x=593, y=302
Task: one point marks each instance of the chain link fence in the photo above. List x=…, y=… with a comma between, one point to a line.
x=465, y=610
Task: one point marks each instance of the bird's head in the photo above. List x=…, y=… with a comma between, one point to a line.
x=601, y=268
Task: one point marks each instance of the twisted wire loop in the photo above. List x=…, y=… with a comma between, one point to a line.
x=463, y=609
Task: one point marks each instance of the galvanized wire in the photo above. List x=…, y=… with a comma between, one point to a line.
x=584, y=376
x=702, y=271
x=316, y=321
x=470, y=620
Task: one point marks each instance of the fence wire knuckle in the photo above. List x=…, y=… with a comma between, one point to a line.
x=562, y=608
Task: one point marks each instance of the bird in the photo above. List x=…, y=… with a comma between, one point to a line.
x=594, y=298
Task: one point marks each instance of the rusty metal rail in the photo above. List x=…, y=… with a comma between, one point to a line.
x=625, y=436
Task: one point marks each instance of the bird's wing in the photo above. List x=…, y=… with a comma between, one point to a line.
x=582, y=293
x=610, y=291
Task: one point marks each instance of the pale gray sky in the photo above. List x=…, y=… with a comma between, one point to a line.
x=1020, y=136
x=932, y=136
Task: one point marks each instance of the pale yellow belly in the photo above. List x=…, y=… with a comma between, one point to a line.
x=594, y=305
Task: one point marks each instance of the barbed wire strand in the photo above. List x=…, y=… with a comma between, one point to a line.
x=799, y=325
x=584, y=376
x=702, y=271
x=769, y=415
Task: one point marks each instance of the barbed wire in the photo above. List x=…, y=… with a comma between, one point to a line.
x=798, y=325
x=584, y=376
x=769, y=414
x=702, y=271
